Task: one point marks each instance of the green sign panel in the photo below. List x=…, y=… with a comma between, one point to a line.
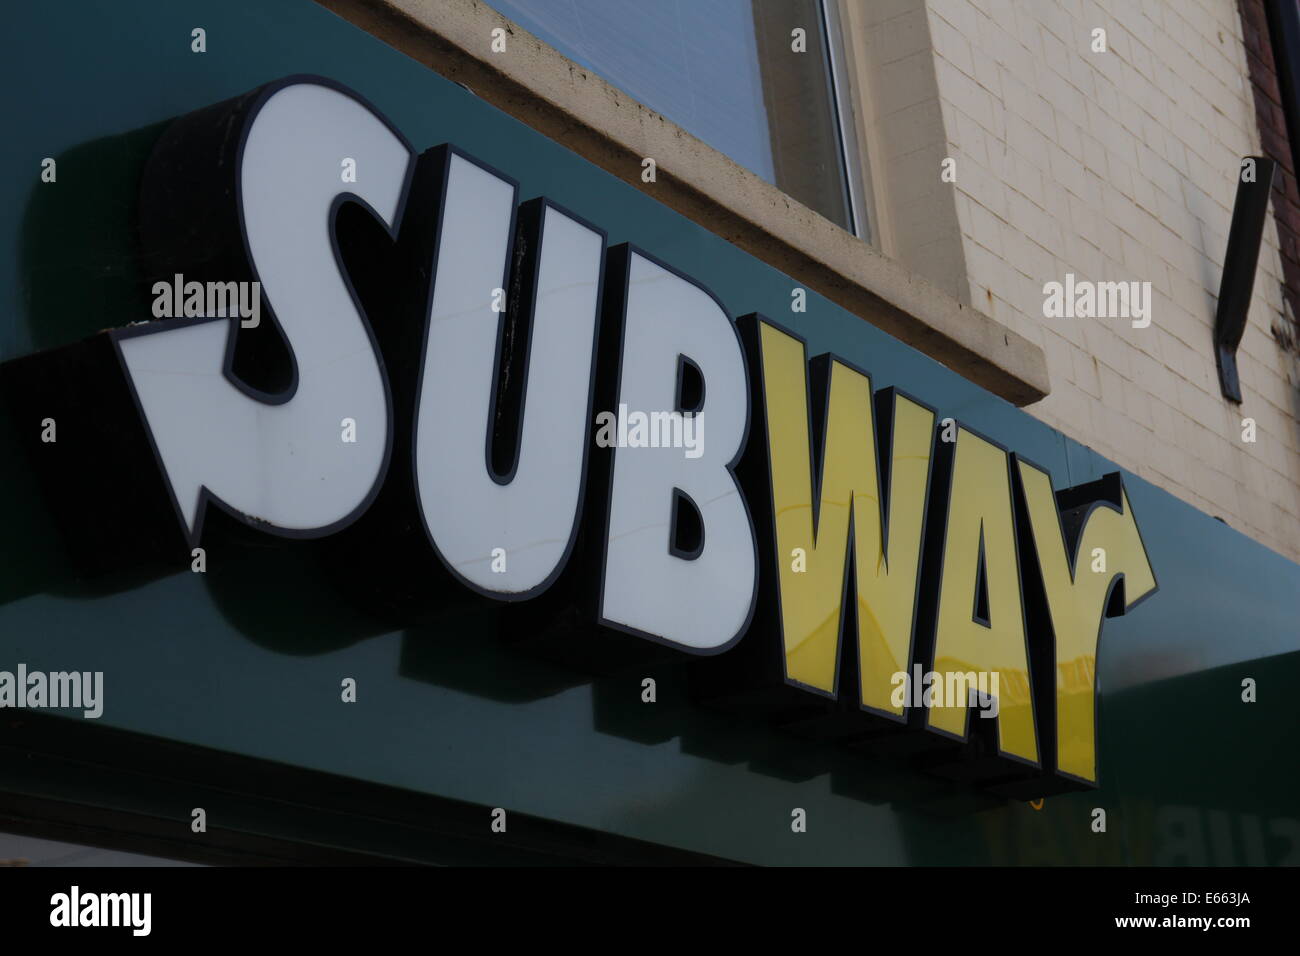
x=353, y=426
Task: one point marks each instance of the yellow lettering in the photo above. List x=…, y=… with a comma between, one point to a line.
x=980, y=513
x=812, y=601
x=1076, y=600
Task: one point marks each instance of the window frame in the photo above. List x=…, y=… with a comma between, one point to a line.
x=857, y=176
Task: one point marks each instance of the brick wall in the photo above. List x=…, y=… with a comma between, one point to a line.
x=1121, y=166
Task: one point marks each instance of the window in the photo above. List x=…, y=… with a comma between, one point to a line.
x=727, y=72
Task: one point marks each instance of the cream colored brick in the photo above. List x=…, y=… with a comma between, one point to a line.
x=960, y=13
x=1023, y=100
x=952, y=45
x=902, y=36
x=964, y=93
x=911, y=128
x=1185, y=361
x=1109, y=347
x=969, y=137
x=909, y=78
x=1122, y=167
x=986, y=229
x=1085, y=375
x=1137, y=403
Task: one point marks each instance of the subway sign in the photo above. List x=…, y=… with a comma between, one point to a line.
x=477, y=398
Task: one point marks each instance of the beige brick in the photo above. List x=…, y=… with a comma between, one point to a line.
x=1121, y=166
x=902, y=36
x=910, y=78
x=1137, y=404
x=951, y=45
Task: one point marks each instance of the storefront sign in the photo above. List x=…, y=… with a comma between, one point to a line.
x=795, y=503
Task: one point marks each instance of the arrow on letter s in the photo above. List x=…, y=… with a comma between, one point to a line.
x=280, y=464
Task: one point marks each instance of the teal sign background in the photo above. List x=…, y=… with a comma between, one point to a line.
x=250, y=660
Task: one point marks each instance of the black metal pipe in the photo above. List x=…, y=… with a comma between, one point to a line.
x=1248, y=214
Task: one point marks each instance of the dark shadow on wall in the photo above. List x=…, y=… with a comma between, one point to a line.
x=78, y=266
x=80, y=253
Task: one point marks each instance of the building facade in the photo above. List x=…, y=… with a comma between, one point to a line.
x=345, y=577
x=1112, y=165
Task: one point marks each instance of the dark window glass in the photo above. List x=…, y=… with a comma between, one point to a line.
x=724, y=70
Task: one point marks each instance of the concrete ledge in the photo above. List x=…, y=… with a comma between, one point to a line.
x=571, y=105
